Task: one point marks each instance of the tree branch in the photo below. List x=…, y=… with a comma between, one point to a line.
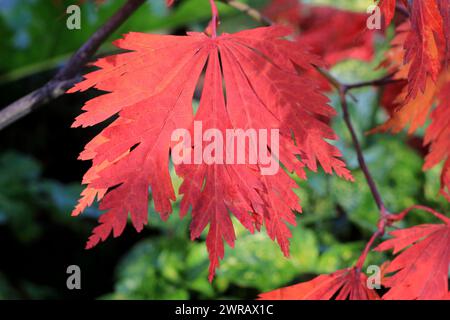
x=342, y=91
x=388, y=79
x=20, y=108
x=362, y=162
x=251, y=12
x=385, y=217
x=67, y=76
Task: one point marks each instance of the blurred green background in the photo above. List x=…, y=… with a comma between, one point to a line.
x=40, y=178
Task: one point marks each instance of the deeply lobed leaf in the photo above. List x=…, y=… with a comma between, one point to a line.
x=266, y=84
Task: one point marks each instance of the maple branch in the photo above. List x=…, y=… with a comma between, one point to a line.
x=362, y=162
x=401, y=215
x=385, y=80
x=67, y=76
x=388, y=79
x=343, y=90
x=251, y=12
x=20, y=108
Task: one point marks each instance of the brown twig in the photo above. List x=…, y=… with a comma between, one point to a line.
x=251, y=12
x=384, y=214
x=362, y=162
x=342, y=91
x=67, y=76
x=20, y=108
x=388, y=79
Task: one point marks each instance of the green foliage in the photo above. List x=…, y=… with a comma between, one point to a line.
x=26, y=196
x=35, y=30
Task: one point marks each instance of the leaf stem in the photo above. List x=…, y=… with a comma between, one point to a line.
x=214, y=18
x=362, y=258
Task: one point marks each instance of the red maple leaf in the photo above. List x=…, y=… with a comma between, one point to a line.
x=424, y=40
x=422, y=46
x=331, y=33
x=438, y=137
x=423, y=262
x=336, y=35
x=444, y=8
x=341, y=285
x=405, y=102
x=388, y=9
x=420, y=268
x=284, y=11
x=151, y=89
